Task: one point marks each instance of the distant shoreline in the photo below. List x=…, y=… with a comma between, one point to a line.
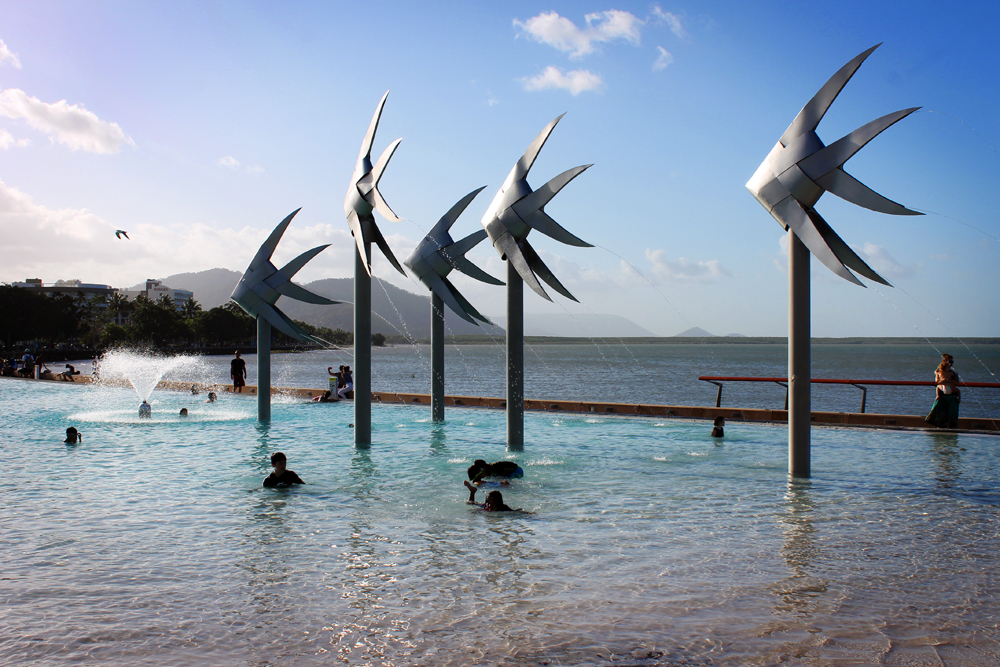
x=713, y=340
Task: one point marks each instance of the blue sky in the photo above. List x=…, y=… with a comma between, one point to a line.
x=198, y=126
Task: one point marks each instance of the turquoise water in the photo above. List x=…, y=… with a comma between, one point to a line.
x=649, y=543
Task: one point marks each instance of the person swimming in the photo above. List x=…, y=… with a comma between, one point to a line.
x=211, y=397
x=145, y=410
x=718, y=431
x=184, y=412
x=494, y=501
x=507, y=470
x=73, y=436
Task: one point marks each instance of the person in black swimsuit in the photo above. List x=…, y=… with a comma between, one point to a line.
x=281, y=475
x=73, y=436
x=507, y=470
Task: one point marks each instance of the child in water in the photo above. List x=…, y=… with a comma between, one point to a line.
x=281, y=475
x=494, y=501
x=718, y=431
x=145, y=410
x=73, y=436
x=506, y=470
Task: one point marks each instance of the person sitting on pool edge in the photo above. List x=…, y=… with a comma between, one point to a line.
x=494, y=501
x=480, y=470
x=718, y=431
x=73, y=436
x=281, y=475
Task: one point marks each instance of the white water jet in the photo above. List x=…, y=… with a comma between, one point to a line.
x=142, y=370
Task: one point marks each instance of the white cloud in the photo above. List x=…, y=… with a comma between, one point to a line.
x=50, y=244
x=662, y=60
x=561, y=33
x=71, y=124
x=685, y=270
x=255, y=169
x=228, y=161
x=7, y=140
x=576, y=81
x=7, y=56
x=885, y=264
x=673, y=21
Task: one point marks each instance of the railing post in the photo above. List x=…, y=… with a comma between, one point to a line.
x=864, y=396
x=718, y=395
x=782, y=384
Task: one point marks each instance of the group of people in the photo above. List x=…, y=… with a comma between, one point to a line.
x=480, y=472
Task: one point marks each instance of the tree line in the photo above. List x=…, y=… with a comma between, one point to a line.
x=112, y=321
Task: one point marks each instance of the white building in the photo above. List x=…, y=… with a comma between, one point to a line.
x=155, y=289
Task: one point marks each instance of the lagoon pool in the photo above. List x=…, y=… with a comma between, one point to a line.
x=152, y=542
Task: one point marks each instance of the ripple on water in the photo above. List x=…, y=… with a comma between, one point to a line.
x=153, y=542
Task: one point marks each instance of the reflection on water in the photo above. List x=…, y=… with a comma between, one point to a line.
x=649, y=545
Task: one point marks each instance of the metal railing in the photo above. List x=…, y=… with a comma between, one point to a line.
x=860, y=384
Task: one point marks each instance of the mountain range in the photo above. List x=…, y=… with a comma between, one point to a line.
x=397, y=311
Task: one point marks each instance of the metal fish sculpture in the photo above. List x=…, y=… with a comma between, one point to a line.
x=517, y=209
x=363, y=196
x=262, y=283
x=437, y=254
x=800, y=168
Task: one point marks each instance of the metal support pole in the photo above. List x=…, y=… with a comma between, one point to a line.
x=362, y=352
x=515, y=360
x=437, y=358
x=864, y=396
x=799, y=366
x=263, y=370
x=718, y=395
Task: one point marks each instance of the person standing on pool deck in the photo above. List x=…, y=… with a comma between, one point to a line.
x=281, y=475
x=944, y=412
x=480, y=470
x=238, y=371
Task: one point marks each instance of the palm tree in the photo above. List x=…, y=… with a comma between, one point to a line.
x=118, y=305
x=166, y=302
x=190, y=309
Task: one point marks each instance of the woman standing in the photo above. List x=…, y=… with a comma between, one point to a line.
x=944, y=412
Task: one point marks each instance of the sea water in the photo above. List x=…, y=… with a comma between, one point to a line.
x=659, y=374
x=648, y=542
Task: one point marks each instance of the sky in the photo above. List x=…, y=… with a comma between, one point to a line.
x=197, y=126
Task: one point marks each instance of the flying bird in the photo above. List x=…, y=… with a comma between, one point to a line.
x=800, y=168
x=262, y=283
x=363, y=196
x=120, y=233
x=437, y=254
x=516, y=210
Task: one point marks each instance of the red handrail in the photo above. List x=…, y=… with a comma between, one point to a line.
x=860, y=384
x=911, y=383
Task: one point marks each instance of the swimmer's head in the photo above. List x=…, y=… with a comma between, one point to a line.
x=278, y=462
x=720, y=421
x=494, y=501
x=211, y=396
x=184, y=412
x=476, y=466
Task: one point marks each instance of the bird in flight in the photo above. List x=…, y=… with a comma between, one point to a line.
x=120, y=233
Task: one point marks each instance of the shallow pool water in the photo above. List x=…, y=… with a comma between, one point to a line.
x=152, y=541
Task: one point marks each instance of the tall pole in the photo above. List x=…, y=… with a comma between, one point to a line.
x=515, y=360
x=437, y=357
x=362, y=352
x=263, y=370
x=799, y=368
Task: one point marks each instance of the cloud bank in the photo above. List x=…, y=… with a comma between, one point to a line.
x=6, y=56
x=562, y=34
x=685, y=270
x=576, y=81
x=70, y=124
